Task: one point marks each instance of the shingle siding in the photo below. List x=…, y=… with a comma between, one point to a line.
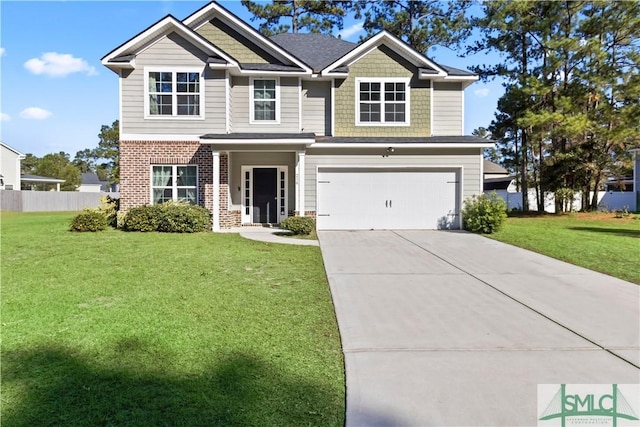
x=233, y=43
x=382, y=62
x=172, y=51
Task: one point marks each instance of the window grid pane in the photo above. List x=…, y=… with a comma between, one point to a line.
x=373, y=95
x=264, y=104
x=164, y=88
x=176, y=183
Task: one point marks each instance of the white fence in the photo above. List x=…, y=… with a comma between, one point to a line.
x=607, y=200
x=48, y=201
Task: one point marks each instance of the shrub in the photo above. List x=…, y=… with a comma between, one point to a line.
x=142, y=218
x=89, y=220
x=110, y=207
x=299, y=224
x=183, y=218
x=484, y=213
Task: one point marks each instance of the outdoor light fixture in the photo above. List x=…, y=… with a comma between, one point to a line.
x=388, y=151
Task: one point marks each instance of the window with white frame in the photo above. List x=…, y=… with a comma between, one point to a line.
x=174, y=93
x=264, y=100
x=175, y=183
x=382, y=101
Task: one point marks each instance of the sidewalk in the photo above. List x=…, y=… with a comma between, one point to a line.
x=268, y=234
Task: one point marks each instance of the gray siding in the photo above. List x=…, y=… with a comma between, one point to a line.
x=468, y=159
x=447, y=109
x=289, y=107
x=172, y=51
x=239, y=159
x=316, y=107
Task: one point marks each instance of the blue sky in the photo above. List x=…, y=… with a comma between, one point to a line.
x=55, y=94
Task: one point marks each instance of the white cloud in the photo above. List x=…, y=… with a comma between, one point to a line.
x=35, y=113
x=2, y=51
x=481, y=92
x=352, y=30
x=55, y=64
x=4, y=117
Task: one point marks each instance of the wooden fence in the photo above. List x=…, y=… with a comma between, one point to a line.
x=48, y=201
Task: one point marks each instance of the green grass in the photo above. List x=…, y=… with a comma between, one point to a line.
x=138, y=329
x=598, y=242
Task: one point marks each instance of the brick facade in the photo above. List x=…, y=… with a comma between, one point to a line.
x=137, y=157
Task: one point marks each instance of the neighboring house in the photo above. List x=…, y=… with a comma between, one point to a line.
x=496, y=177
x=39, y=183
x=90, y=183
x=9, y=167
x=360, y=136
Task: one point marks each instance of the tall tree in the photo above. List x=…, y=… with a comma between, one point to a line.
x=28, y=164
x=58, y=165
x=420, y=23
x=296, y=16
x=109, y=150
x=85, y=160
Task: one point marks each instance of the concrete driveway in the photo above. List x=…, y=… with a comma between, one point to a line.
x=450, y=328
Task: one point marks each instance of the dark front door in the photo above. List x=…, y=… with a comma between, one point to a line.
x=265, y=195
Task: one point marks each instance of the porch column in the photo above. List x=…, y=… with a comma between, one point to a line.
x=216, y=191
x=300, y=183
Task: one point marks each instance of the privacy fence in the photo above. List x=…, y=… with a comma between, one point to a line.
x=47, y=201
x=607, y=200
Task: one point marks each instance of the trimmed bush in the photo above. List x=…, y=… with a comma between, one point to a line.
x=110, y=206
x=484, y=213
x=89, y=220
x=183, y=218
x=299, y=224
x=142, y=218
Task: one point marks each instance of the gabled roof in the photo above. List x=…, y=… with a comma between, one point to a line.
x=90, y=178
x=490, y=167
x=207, y=12
x=388, y=39
x=317, y=50
x=124, y=55
x=12, y=149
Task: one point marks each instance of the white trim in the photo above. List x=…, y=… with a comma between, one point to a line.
x=174, y=175
x=481, y=172
x=174, y=92
x=248, y=218
x=392, y=42
x=382, y=81
x=227, y=99
x=120, y=124
x=216, y=190
x=213, y=7
x=333, y=107
x=296, y=141
x=459, y=170
x=402, y=145
x=252, y=120
x=462, y=115
x=159, y=27
x=158, y=137
x=300, y=182
x=241, y=72
x=300, y=104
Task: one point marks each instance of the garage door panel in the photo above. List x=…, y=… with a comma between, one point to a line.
x=386, y=199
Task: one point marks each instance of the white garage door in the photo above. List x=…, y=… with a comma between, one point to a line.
x=364, y=199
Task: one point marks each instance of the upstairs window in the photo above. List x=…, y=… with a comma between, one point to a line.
x=382, y=102
x=175, y=183
x=174, y=93
x=264, y=101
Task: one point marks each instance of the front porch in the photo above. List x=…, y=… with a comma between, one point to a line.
x=256, y=183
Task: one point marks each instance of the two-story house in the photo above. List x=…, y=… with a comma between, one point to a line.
x=360, y=136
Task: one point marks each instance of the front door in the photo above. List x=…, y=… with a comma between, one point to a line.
x=265, y=195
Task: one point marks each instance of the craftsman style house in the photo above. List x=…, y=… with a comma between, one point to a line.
x=360, y=136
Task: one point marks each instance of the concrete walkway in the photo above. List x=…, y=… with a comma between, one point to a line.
x=454, y=329
x=269, y=234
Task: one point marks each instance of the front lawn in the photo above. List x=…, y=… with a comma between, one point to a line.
x=140, y=329
x=597, y=241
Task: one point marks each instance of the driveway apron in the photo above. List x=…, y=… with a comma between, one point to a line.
x=450, y=328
